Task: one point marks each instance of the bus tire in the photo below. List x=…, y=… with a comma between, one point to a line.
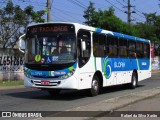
x=134, y=81
x=54, y=92
x=95, y=86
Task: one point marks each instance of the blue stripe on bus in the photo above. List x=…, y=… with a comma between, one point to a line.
x=51, y=73
x=123, y=64
x=129, y=37
x=98, y=30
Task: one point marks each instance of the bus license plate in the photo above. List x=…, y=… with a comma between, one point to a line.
x=44, y=82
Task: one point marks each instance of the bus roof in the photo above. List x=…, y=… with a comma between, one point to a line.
x=98, y=30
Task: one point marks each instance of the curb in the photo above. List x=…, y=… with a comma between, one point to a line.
x=155, y=71
x=119, y=102
x=105, y=107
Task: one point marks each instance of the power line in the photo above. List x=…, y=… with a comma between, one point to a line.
x=81, y=4
x=67, y=14
x=129, y=12
x=114, y=6
x=132, y=11
x=77, y=3
x=69, y=11
x=124, y=11
x=137, y=11
x=120, y=3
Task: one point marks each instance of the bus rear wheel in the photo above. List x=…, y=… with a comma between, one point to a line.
x=134, y=81
x=95, y=86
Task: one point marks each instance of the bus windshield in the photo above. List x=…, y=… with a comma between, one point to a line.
x=50, y=45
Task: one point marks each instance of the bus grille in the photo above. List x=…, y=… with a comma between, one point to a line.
x=51, y=83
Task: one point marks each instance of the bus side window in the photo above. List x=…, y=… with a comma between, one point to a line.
x=132, y=49
x=112, y=43
x=99, y=49
x=146, y=50
x=140, y=51
x=122, y=48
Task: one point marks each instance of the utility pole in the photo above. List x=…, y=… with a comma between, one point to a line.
x=48, y=10
x=128, y=12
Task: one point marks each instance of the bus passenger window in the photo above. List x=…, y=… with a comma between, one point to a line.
x=140, y=53
x=99, y=49
x=122, y=48
x=146, y=50
x=112, y=43
x=132, y=49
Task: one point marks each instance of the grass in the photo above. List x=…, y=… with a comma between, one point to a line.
x=11, y=83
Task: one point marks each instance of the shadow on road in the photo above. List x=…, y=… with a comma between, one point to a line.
x=116, y=88
x=65, y=95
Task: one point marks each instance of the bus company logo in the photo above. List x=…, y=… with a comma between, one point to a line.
x=37, y=73
x=107, y=68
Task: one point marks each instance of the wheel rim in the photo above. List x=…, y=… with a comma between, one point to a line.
x=134, y=81
x=95, y=85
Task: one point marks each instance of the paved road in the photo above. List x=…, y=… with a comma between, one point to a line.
x=147, y=109
x=24, y=99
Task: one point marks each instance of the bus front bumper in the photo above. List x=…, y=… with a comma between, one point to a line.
x=48, y=83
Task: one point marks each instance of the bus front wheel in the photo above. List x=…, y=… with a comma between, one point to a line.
x=95, y=86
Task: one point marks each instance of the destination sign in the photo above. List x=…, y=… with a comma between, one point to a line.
x=50, y=28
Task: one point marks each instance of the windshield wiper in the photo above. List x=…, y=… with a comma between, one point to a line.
x=37, y=41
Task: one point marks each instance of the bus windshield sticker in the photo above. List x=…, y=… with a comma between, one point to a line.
x=42, y=60
x=55, y=58
x=48, y=60
x=37, y=58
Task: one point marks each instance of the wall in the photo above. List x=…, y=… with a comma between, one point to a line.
x=11, y=64
x=156, y=63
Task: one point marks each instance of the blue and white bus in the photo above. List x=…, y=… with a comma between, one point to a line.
x=74, y=56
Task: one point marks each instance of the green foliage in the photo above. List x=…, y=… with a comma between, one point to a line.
x=88, y=14
x=13, y=21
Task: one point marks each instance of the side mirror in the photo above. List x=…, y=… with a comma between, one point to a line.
x=21, y=44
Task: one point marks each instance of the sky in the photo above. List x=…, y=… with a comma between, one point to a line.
x=73, y=10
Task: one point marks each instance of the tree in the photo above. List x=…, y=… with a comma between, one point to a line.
x=106, y=19
x=153, y=21
x=13, y=21
x=88, y=14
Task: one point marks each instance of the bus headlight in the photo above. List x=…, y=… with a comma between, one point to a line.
x=67, y=75
x=27, y=75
